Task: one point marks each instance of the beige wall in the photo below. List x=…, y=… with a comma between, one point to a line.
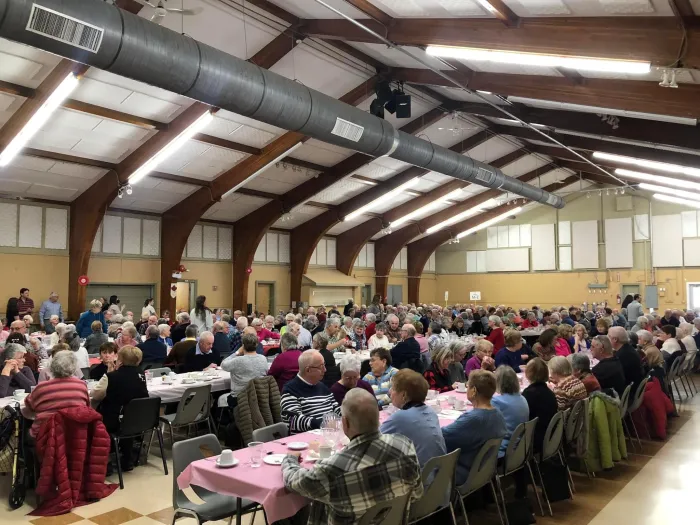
x=278, y=274
x=428, y=292
x=42, y=274
x=210, y=275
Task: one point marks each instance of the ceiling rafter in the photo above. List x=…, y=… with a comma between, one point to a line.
x=501, y=11
x=371, y=11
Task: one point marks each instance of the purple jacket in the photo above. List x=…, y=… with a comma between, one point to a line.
x=285, y=367
x=23, y=380
x=473, y=363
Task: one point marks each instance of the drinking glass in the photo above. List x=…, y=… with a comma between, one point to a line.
x=257, y=453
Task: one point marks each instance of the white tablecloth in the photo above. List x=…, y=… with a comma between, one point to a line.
x=362, y=355
x=531, y=333
x=173, y=392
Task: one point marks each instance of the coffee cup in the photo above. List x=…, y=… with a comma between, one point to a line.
x=432, y=394
x=461, y=388
x=451, y=400
x=226, y=457
x=325, y=451
x=19, y=394
x=459, y=404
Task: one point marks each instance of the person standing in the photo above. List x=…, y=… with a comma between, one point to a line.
x=25, y=304
x=48, y=308
x=201, y=315
x=635, y=310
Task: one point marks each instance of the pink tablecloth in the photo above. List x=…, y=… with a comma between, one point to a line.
x=264, y=484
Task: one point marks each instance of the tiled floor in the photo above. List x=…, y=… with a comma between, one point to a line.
x=657, y=486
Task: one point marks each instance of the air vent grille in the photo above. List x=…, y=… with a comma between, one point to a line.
x=64, y=28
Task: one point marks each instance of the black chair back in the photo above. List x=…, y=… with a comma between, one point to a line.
x=140, y=415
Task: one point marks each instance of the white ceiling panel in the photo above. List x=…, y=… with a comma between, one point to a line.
x=450, y=130
x=321, y=153
x=80, y=171
x=344, y=226
x=590, y=7
x=33, y=163
x=150, y=205
x=188, y=152
x=14, y=187
x=524, y=165
x=212, y=163
x=298, y=215
x=432, y=8
x=304, y=64
x=122, y=130
x=312, y=9
x=26, y=182
x=395, y=58
x=234, y=207
x=492, y=149
x=280, y=179
x=6, y=101
x=341, y=191
x=392, y=203
x=60, y=193
x=25, y=65
x=436, y=177
x=382, y=169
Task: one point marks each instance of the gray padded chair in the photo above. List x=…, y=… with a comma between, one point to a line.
x=438, y=494
x=390, y=512
x=159, y=372
x=624, y=407
x=216, y=506
x=634, y=405
x=672, y=377
x=482, y=473
x=271, y=432
x=574, y=426
x=193, y=409
x=551, y=447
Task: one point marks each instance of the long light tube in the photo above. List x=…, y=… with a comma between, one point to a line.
x=460, y=216
x=427, y=208
x=263, y=169
x=172, y=147
x=666, y=181
x=676, y=200
x=651, y=164
x=381, y=200
x=490, y=222
x=670, y=191
x=40, y=117
x=632, y=67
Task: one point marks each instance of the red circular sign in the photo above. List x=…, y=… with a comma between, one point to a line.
x=249, y=270
x=83, y=280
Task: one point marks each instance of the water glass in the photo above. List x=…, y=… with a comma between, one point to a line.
x=149, y=377
x=257, y=452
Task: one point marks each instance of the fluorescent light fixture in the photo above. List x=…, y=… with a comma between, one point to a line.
x=658, y=179
x=261, y=170
x=491, y=222
x=460, y=216
x=631, y=67
x=484, y=92
x=40, y=117
x=172, y=147
x=425, y=209
x=670, y=191
x=676, y=200
x=381, y=200
x=651, y=164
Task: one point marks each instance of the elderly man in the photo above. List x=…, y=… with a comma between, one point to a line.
x=178, y=354
x=305, y=399
x=407, y=351
x=346, y=485
x=152, y=321
x=393, y=332
x=221, y=341
x=312, y=325
x=336, y=337
x=608, y=371
x=303, y=336
x=178, y=331
x=154, y=352
x=642, y=323
x=237, y=332
x=371, y=328
x=236, y=315
x=629, y=357
x=203, y=356
x=48, y=308
x=670, y=318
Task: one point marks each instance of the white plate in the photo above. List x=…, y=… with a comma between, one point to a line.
x=274, y=459
x=298, y=445
x=235, y=462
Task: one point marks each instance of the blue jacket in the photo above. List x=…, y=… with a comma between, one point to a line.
x=86, y=319
x=420, y=424
x=153, y=351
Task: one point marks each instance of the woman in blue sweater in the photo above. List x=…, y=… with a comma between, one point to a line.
x=510, y=403
x=95, y=313
x=415, y=420
x=513, y=354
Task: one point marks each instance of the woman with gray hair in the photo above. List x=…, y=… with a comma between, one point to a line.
x=349, y=379
x=72, y=339
x=510, y=403
x=567, y=388
x=347, y=325
x=15, y=374
x=320, y=342
x=55, y=337
x=581, y=368
x=459, y=353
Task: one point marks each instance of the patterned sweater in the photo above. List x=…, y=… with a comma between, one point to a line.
x=304, y=405
x=568, y=391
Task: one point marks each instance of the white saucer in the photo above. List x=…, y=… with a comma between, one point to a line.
x=274, y=459
x=298, y=445
x=235, y=462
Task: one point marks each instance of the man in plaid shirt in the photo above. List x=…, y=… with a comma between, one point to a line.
x=373, y=468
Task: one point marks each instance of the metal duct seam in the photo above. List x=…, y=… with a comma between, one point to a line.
x=135, y=48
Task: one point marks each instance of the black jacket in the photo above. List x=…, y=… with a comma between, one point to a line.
x=153, y=351
x=222, y=344
x=177, y=333
x=631, y=365
x=610, y=374
x=332, y=374
x=405, y=351
x=123, y=385
x=543, y=405
x=197, y=362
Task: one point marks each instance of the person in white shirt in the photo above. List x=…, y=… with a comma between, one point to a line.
x=379, y=339
x=148, y=309
x=201, y=316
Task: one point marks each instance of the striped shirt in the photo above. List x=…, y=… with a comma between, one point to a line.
x=304, y=405
x=568, y=391
x=54, y=395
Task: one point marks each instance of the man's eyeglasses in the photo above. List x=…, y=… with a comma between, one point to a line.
x=321, y=367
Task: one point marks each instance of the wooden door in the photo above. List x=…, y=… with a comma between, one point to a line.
x=263, y=297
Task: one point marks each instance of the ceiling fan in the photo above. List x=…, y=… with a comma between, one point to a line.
x=456, y=125
x=160, y=11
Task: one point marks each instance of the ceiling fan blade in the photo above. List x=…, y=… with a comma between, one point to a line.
x=158, y=17
x=194, y=11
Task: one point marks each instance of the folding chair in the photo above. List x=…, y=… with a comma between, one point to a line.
x=442, y=471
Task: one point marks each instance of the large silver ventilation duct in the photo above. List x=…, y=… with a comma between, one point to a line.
x=101, y=35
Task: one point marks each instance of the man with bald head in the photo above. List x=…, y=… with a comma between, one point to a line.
x=407, y=352
x=371, y=469
x=203, y=355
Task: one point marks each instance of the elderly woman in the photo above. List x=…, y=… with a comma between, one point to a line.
x=512, y=354
x=567, y=388
x=683, y=334
x=64, y=390
x=544, y=348
x=72, y=339
x=56, y=337
x=668, y=343
x=262, y=331
x=95, y=313
x=286, y=365
x=510, y=403
x=458, y=327
x=580, y=342
x=581, y=369
x=349, y=379
x=655, y=366
x=127, y=382
x=380, y=375
x=320, y=343
x=496, y=336
x=415, y=420
x=357, y=338
x=438, y=375
x=540, y=399
x=482, y=358
x=347, y=325
x=371, y=327
x=459, y=353
x=337, y=340
x=164, y=335
x=128, y=337
x=244, y=368
x=96, y=339
x=289, y=318
x=15, y=374
x=379, y=339
x=561, y=344
x=530, y=321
